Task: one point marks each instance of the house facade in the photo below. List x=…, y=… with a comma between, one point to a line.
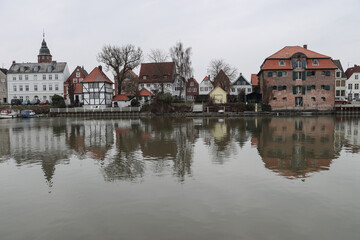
x=340, y=80
x=353, y=81
x=41, y=80
x=192, y=89
x=240, y=84
x=3, y=86
x=218, y=95
x=74, y=83
x=158, y=77
x=97, y=89
x=206, y=86
x=299, y=79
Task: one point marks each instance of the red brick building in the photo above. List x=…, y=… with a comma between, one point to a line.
x=75, y=79
x=296, y=78
x=192, y=89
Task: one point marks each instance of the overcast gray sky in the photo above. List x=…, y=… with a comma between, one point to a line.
x=242, y=32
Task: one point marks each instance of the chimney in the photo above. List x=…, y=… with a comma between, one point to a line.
x=305, y=46
x=14, y=61
x=100, y=67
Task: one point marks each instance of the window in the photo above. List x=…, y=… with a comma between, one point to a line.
x=313, y=99
x=49, y=68
x=44, y=97
x=27, y=97
x=311, y=73
x=298, y=90
x=14, y=88
x=274, y=87
x=56, y=87
x=343, y=83
x=298, y=64
x=337, y=93
x=315, y=62
x=325, y=73
x=201, y=88
x=21, y=88
x=75, y=80
x=284, y=99
x=338, y=74
x=298, y=75
x=20, y=77
x=35, y=87
x=27, y=88
x=50, y=77
x=282, y=63
x=356, y=86
x=322, y=87
x=50, y=87
x=26, y=77
x=78, y=74
x=56, y=77
x=191, y=84
x=165, y=76
x=274, y=99
x=338, y=83
x=148, y=85
x=343, y=93
x=144, y=77
x=14, y=78
x=356, y=76
x=44, y=87
x=36, y=68
x=323, y=99
x=80, y=80
x=194, y=90
x=189, y=90
x=44, y=77
x=350, y=86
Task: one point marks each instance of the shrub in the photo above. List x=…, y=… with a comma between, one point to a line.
x=250, y=107
x=165, y=98
x=58, y=101
x=266, y=108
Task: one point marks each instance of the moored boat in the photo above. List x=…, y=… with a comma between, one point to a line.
x=27, y=114
x=8, y=113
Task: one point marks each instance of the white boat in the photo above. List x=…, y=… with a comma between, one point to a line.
x=27, y=114
x=8, y=113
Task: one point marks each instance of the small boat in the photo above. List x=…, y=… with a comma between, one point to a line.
x=8, y=113
x=27, y=114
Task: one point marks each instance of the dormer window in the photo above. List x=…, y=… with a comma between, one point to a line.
x=22, y=69
x=298, y=64
x=155, y=76
x=36, y=68
x=315, y=62
x=49, y=68
x=144, y=77
x=166, y=76
x=282, y=63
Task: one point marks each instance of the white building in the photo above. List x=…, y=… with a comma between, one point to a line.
x=352, y=83
x=97, y=89
x=41, y=80
x=239, y=84
x=340, y=80
x=206, y=86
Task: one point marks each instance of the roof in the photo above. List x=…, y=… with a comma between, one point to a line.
x=254, y=79
x=44, y=50
x=145, y=92
x=288, y=51
x=4, y=70
x=241, y=81
x=52, y=67
x=350, y=71
x=339, y=66
x=78, y=88
x=96, y=75
x=121, y=97
x=156, y=72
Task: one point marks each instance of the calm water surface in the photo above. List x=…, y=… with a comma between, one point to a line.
x=251, y=178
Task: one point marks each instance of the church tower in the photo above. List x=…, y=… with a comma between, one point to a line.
x=44, y=53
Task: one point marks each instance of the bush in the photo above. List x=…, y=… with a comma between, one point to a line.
x=165, y=98
x=250, y=107
x=135, y=103
x=58, y=101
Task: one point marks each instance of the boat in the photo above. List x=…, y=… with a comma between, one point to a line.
x=8, y=113
x=27, y=114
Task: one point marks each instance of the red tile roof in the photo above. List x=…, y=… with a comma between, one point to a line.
x=96, y=75
x=288, y=51
x=121, y=97
x=206, y=78
x=145, y=92
x=150, y=70
x=254, y=79
x=350, y=71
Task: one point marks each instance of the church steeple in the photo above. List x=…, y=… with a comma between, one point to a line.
x=44, y=53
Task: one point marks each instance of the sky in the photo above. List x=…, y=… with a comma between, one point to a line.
x=241, y=32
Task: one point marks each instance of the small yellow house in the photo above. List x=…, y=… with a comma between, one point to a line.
x=218, y=95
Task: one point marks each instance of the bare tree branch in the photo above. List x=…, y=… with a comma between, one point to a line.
x=181, y=58
x=119, y=60
x=216, y=65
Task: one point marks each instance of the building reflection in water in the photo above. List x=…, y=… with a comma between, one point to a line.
x=297, y=147
x=126, y=148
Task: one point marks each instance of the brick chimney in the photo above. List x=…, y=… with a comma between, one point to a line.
x=305, y=46
x=14, y=61
x=100, y=67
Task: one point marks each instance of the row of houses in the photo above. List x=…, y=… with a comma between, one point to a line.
x=292, y=78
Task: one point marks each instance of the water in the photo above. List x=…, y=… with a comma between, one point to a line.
x=251, y=178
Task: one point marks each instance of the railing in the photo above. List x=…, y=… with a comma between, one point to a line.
x=84, y=110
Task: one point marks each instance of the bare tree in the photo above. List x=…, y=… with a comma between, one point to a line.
x=216, y=65
x=181, y=58
x=119, y=60
x=158, y=57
